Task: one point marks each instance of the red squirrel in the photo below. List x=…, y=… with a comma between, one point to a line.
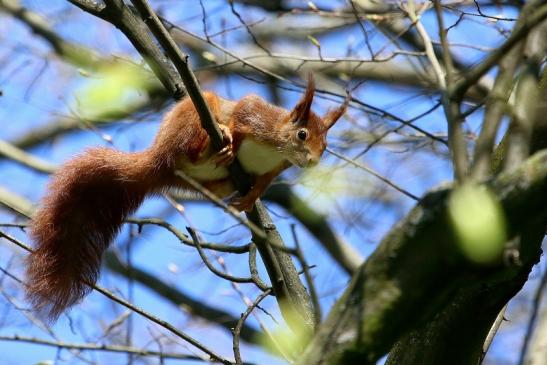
x=89, y=197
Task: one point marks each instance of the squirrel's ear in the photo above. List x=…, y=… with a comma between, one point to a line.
x=333, y=115
x=301, y=111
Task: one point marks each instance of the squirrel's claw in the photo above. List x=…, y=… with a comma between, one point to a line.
x=225, y=156
x=242, y=203
x=226, y=134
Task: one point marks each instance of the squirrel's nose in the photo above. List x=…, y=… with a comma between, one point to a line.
x=312, y=161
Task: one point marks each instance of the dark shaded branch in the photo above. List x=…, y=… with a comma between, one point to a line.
x=496, y=106
x=527, y=98
x=116, y=13
x=414, y=263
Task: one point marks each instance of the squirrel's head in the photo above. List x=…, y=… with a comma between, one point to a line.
x=305, y=133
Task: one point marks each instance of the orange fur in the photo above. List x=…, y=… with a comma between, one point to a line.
x=89, y=197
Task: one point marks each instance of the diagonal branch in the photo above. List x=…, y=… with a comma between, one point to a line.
x=456, y=139
x=538, y=14
x=115, y=12
x=100, y=347
x=162, y=323
x=194, y=307
x=415, y=261
x=288, y=288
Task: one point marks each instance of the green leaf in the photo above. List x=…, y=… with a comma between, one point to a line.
x=110, y=89
x=478, y=222
x=314, y=41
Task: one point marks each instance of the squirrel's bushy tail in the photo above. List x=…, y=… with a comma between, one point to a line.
x=86, y=203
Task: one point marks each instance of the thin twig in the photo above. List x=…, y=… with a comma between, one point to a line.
x=373, y=173
x=473, y=75
x=493, y=330
x=99, y=347
x=533, y=316
x=247, y=27
x=168, y=326
x=447, y=56
x=217, y=272
x=218, y=202
x=309, y=279
x=237, y=329
x=185, y=239
x=362, y=27
x=456, y=140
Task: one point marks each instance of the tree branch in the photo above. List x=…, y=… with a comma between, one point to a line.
x=180, y=299
x=116, y=13
x=537, y=15
x=398, y=287
x=293, y=294
x=162, y=323
x=99, y=347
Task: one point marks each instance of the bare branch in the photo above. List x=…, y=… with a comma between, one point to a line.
x=527, y=350
x=117, y=13
x=219, y=273
x=496, y=106
x=162, y=323
x=373, y=173
x=286, y=282
x=439, y=72
x=241, y=322
x=381, y=301
x=535, y=14
x=98, y=347
x=492, y=333
x=181, y=299
x=24, y=158
x=447, y=57
x=527, y=97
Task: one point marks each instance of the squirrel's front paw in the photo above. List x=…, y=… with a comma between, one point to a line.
x=225, y=156
x=243, y=204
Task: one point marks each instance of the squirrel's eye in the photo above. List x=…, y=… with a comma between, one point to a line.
x=302, y=134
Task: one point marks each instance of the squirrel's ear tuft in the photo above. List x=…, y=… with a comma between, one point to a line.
x=333, y=115
x=300, y=113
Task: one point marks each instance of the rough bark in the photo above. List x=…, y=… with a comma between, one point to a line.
x=417, y=280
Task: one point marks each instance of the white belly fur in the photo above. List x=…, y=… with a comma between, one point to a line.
x=257, y=158
x=206, y=171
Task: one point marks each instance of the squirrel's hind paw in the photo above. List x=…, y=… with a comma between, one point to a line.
x=243, y=204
